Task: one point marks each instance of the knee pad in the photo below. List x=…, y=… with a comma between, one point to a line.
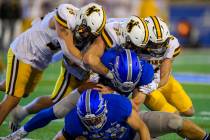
x=175, y=122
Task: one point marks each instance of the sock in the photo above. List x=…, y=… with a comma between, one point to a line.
x=40, y=120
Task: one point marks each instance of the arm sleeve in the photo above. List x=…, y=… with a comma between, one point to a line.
x=66, y=104
x=174, y=48
x=40, y=120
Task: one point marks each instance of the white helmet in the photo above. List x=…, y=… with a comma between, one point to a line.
x=66, y=15
x=158, y=29
x=159, y=36
x=135, y=32
x=92, y=16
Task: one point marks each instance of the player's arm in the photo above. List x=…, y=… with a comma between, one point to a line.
x=165, y=71
x=67, y=36
x=172, y=51
x=93, y=58
x=137, y=124
x=138, y=99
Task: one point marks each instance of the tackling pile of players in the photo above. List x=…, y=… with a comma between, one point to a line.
x=103, y=62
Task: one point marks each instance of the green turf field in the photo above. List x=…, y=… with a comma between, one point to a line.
x=190, y=61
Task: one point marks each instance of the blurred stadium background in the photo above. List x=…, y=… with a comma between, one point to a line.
x=188, y=20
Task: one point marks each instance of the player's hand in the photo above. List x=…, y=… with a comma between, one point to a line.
x=147, y=89
x=104, y=89
x=87, y=85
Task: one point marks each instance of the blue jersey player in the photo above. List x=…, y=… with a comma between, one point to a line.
x=105, y=117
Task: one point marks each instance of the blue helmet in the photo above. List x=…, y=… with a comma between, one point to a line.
x=92, y=110
x=126, y=70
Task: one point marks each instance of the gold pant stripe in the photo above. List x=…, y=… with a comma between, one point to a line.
x=62, y=93
x=10, y=77
x=13, y=78
x=63, y=87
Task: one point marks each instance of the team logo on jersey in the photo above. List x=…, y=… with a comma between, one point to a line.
x=91, y=10
x=131, y=24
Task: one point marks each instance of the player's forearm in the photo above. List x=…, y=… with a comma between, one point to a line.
x=144, y=133
x=67, y=36
x=98, y=67
x=165, y=71
x=163, y=79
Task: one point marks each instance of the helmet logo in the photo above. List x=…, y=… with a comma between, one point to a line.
x=131, y=24
x=91, y=10
x=71, y=11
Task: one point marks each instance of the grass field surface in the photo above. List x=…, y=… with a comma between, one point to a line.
x=194, y=62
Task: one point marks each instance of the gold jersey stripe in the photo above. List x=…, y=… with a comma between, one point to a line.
x=146, y=32
x=60, y=20
x=177, y=49
x=103, y=22
x=107, y=39
x=177, y=53
x=157, y=27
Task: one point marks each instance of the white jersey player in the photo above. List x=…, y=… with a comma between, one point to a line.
x=160, y=51
x=31, y=52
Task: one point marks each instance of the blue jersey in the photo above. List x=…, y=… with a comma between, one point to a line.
x=108, y=59
x=119, y=109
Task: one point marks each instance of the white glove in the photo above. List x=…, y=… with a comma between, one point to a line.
x=94, y=77
x=147, y=89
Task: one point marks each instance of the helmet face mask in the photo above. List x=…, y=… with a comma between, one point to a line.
x=157, y=49
x=130, y=45
x=94, y=123
x=125, y=86
x=82, y=31
x=92, y=110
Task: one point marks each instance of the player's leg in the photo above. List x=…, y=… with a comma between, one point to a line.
x=160, y=123
x=64, y=85
x=17, y=85
x=157, y=102
x=176, y=96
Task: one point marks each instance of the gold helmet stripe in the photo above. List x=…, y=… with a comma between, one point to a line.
x=157, y=27
x=60, y=20
x=103, y=22
x=146, y=37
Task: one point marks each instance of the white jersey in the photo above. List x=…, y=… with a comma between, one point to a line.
x=37, y=45
x=173, y=49
x=112, y=33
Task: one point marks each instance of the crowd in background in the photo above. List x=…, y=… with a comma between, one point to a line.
x=16, y=16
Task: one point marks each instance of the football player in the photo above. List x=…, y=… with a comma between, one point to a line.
x=111, y=36
x=160, y=51
x=32, y=51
